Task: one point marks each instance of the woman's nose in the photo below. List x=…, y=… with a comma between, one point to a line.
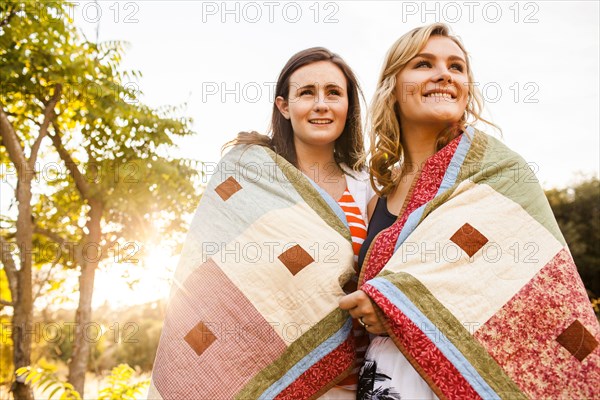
x=321, y=103
x=442, y=75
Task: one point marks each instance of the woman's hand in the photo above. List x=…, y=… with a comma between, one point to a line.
x=360, y=307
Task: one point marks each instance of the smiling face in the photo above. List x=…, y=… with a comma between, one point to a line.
x=432, y=89
x=317, y=105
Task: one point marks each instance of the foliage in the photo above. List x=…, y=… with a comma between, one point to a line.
x=120, y=384
x=130, y=336
x=6, y=364
x=114, y=180
x=120, y=146
x=596, y=306
x=4, y=290
x=45, y=380
x=577, y=211
x=123, y=383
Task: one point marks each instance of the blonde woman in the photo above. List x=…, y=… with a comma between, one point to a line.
x=453, y=311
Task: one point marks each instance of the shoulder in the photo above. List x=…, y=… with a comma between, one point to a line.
x=494, y=163
x=371, y=207
x=359, y=185
x=358, y=180
x=361, y=176
x=493, y=149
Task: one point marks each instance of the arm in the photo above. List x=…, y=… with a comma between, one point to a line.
x=371, y=207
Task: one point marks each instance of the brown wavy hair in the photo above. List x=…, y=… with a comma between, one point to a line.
x=385, y=150
x=349, y=147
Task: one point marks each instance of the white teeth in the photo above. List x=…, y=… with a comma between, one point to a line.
x=441, y=95
x=320, y=121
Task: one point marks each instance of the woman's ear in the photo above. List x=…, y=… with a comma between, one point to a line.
x=282, y=106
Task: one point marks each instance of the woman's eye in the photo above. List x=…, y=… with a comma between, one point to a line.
x=457, y=67
x=422, y=64
x=305, y=92
x=334, y=93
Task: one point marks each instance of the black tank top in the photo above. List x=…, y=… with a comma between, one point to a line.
x=380, y=220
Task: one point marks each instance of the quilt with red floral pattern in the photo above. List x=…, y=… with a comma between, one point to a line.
x=477, y=286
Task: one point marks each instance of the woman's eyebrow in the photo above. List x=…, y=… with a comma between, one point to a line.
x=313, y=85
x=432, y=56
x=333, y=85
x=307, y=86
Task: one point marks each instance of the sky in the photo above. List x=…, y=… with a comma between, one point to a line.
x=536, y=62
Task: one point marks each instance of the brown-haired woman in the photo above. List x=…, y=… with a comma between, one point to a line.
x=294, y=205
x=316, y=126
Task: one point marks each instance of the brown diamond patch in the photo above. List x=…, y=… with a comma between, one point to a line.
x=469, y=239
x=577, y=340
x=295, y=259
x=228, y=188
x=199, y=338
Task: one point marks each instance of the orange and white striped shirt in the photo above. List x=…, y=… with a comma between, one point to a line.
x=358, y=227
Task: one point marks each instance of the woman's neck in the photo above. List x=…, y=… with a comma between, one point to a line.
x=418, y=145
x=318, y=163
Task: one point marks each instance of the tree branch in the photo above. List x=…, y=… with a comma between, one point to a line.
x=49, y=115
x=78, y=177
x=57, y=239
x=36, y=295
x=11, y=141
x=49, y=234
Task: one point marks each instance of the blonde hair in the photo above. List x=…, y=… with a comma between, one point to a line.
x=385, y=136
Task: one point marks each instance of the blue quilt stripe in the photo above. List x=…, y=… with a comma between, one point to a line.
x=331, y=202
x=447, y=182
x=454, y=355
x=308, y=361
x=457, y=161
x=409, y=226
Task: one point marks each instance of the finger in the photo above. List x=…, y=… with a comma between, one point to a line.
x=367, y=311
x=376, y=329
x=355, y=313
x=371, y=321
x=349, y=301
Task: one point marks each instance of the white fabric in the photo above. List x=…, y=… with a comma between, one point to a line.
x=360, y=188
x=405, y=380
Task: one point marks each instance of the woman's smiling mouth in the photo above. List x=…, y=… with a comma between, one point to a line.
x=320, y=121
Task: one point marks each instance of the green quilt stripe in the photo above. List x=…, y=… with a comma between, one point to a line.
x=509, y=174
x=469, y=165
x=296, y=352
x=490, y=162
x=458, y=335
x=310, y=195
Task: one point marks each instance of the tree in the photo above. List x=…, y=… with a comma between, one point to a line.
x=118, y=174
x=577, y=211
x=20, y=279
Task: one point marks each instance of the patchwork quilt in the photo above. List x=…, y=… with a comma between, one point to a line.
x=477, y=286
x=253, y=311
